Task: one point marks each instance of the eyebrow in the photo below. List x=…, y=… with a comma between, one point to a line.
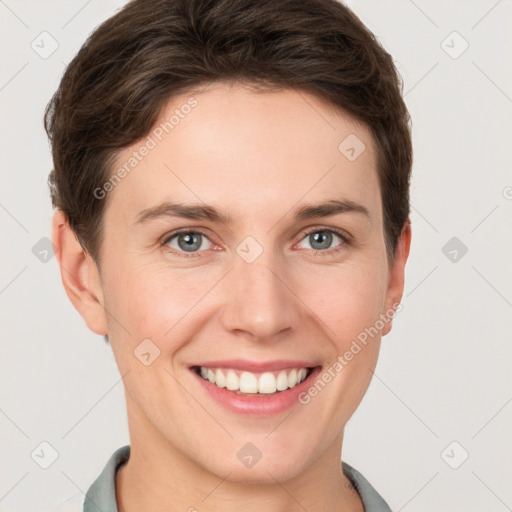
x=210, y=213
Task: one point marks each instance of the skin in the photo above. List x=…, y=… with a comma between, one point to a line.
x=257, y=157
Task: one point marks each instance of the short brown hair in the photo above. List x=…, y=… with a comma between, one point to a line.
x=114, y=89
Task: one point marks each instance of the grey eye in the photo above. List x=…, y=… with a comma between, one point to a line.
x=188, y=241
x=321, y=239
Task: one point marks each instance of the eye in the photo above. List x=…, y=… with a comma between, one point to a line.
x=187, y=241
x=320, y=240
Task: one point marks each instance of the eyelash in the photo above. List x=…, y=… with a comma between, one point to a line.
x=345, y=240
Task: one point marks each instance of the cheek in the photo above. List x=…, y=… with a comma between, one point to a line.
x=153, y=303
x=347, y=299
x=156, y=303
x=136, y=287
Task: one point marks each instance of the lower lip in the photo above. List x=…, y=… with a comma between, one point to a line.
x=262, y=405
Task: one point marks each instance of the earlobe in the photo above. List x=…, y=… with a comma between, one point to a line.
x=397, y=274
x=80, y=275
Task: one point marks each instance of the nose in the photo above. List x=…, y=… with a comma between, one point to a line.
x=260, y=303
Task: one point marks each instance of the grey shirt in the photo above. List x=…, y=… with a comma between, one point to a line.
x=101, y=496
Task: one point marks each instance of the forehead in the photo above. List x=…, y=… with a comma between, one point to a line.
x=260, y=152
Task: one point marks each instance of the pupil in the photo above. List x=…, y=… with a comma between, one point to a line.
x=191, y=241
x=327, y=238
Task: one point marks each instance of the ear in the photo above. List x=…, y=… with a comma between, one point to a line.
x=396, y=277
x=80, y=275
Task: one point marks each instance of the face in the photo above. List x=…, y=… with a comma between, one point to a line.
x=213, y=256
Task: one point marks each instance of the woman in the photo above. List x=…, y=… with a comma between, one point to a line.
x=231, y=184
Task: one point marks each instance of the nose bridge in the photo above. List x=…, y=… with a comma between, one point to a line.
x=258, y=300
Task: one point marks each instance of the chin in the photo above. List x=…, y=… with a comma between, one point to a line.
x=263, y=471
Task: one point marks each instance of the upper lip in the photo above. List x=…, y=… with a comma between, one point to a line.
x=257, y=367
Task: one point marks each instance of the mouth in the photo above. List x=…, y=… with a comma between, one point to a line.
x=254, y=389
x=242, y=382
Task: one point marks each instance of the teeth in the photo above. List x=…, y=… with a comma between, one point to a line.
x=232, y=381
x=282, y=381
x=248, y=382
x=220, y=380
x=267, y=383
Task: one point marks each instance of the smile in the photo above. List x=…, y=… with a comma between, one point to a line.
x=254, y=388
x=245, y=382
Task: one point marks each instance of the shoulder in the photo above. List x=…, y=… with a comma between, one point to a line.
x=101, y=495
x=372, y=500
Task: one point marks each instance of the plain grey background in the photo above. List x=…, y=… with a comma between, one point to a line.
x=433, y=432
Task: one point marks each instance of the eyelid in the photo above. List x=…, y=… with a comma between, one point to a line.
x=346, y=237
x=168, y=236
